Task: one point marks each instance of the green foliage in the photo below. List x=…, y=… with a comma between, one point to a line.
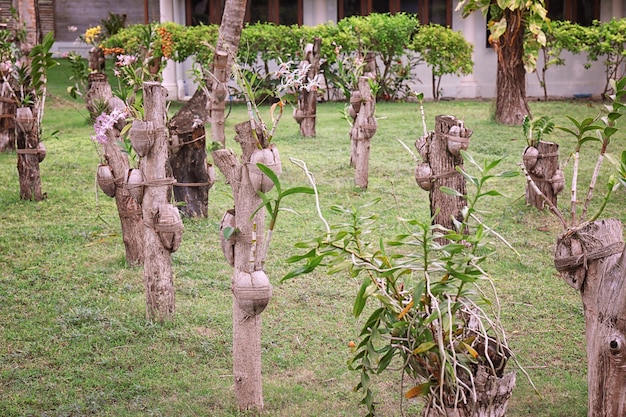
x=560, y=35
x=606, y=41
x=533, y=12
x=534, y=129
x=428, y=284
x=444, y=50
x=79, y=75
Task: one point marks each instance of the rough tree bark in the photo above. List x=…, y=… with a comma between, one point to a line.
x=306, y=111
x=162, y=224
x=194, y=177
x=511, y=104
x=29, y=154
x=542, y=164
x=591, y=258
x=363, y=129
x=246, y=251
x=440, y=152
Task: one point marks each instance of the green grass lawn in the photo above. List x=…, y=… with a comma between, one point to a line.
x=74, y=340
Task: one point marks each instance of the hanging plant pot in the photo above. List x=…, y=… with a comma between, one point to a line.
x=169, y=226
x=252, y=291
x=221, y=91
x=135, y=184
x=558, y=181
x=41, y=151
x=24, y=119
x=530, y=157
x=298, y=115
x=423, y=175
x=268, y=157
x=175, y=144
x=227, y=225
x=355, y=101
x=106, y=180
x=370, y=128
x=142, y=137
x=456, y=144
x=210, y=170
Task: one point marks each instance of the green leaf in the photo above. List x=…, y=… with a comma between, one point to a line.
x=359, y=302
x=424, y=347
x=450, y=191
x=228, y=232
x=271, y=175
x=297, y=190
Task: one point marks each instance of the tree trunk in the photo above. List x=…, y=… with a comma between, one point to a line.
x=591, y=258
x=247, y=251
x=228, y=41
x=219, y=92
x=362, y=131
x=307, y=99
x=492, y=396
x=193, y=177
x=511, y=105
x=162, y=225
x=7, y=118
x=441, y=151
x=542, y=164
x=28, y=155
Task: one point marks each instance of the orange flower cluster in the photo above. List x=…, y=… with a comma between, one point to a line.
x=113, y=51
x=167, y=45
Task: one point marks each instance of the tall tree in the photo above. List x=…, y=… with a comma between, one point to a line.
x=516, y=36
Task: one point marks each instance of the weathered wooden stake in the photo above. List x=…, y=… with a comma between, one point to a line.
x=163, y=227
x=591, y=258
x=29, y=153
x=7, y=114
x=246, y=250
x=217, y=99
x=542, y=164
x=363, y=130
x=306, y=111
x=440, y=152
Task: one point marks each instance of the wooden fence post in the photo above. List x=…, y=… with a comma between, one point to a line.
x=162, y=223
x=363, y=104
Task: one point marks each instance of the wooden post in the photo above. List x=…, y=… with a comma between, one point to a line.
x=7, y=114
x=306, y=111
x=29, y=152
x=246, y=250
x=163, y=227
x=362, y=131
x=219, y=93
x=440, y=152
x=117, y=164
x=591, y=258
x=542, y=164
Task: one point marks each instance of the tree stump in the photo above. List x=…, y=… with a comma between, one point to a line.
x=162, y=224
x=306, y=111
x=591, y=258
x=542, y=164
x=98, y=93
x=247, y=251
x=28, y=155
x=363, y=104
x=440, y=152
